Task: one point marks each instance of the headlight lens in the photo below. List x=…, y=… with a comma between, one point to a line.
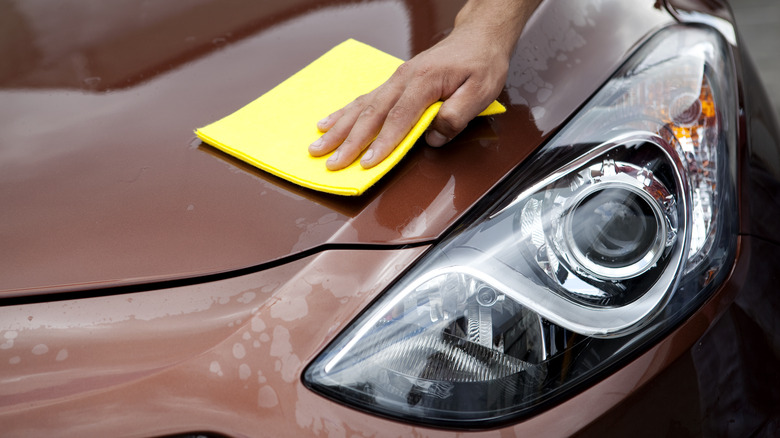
x=629, y=230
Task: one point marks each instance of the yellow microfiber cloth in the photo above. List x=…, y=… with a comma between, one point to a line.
x=274, y=132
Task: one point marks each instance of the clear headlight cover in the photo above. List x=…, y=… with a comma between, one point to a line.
x=607, y=237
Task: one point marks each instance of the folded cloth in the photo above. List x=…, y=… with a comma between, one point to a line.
x=274, y=131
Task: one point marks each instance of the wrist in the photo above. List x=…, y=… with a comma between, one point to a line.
x=501, y=21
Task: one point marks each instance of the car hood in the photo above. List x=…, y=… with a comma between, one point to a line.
x=103, y=184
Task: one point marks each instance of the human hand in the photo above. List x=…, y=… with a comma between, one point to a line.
x=466, y=71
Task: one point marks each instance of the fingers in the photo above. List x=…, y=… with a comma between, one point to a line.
x=363, y=124
x=365, y=128
x=435, y=138
x=380, y=119
x=337, y=126
x=351, y=129
x=455, y=113
x=325, y=124
x=399, y=121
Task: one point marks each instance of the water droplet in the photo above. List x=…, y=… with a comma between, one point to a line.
x=215, y=368
x=244, y=371
x=543, y=94
x=62, y=355
x=246, y=297
x=40, y=349
x=218, y=41
x=92, y=81
x=266, y=397
x=538, y=112
x=258, y=325
x=238, y=350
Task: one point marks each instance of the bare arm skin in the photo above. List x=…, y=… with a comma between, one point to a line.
x=466, y=71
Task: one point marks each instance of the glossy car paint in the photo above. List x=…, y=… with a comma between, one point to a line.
x=110, y=186
x=104, y=186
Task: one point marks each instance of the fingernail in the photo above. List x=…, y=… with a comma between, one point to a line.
x=334, y=158
x=317, y=144
x=435, y=139
x=366, y=161
x=323, y=122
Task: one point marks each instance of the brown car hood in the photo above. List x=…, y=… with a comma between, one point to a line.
x=102, y=182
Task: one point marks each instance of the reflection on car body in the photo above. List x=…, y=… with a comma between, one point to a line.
x=153, y=286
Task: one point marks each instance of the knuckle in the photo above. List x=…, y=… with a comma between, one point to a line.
x=369, y=111
x=478, y=86
x=335, y=136
x=397, y=114
x=422, y=72
x=481, y=88
x=402, y=70
x=450, y=122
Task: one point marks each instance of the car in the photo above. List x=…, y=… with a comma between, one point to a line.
x=600, y=260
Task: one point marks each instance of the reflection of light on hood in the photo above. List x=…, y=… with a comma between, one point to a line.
x=546, y=70
x=146, y=306
x=442, y=206
x=77, y=25
x=51, y=110
x=533, y=54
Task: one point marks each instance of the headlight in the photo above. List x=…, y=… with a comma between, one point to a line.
x=627, y=231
